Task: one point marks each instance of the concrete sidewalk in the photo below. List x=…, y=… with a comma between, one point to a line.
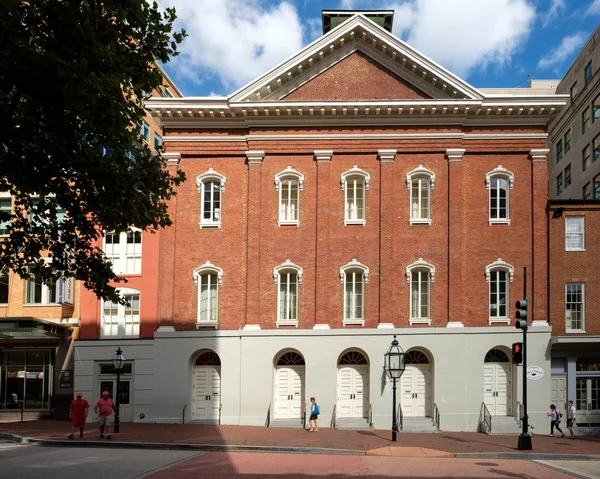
x=326, y=441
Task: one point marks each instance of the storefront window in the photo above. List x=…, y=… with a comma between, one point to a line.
x=26, y=376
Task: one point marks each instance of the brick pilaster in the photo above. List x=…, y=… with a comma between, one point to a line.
x=254, y=159
x=456, y=263
x=387, y=271
x=322, y=271
x=167, y=241
x=539, y=237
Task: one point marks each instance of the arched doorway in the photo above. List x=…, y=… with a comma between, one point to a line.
x=206, y=387
x=497, y=382
x=353, y=385
x=416, y=385
x=289, y=385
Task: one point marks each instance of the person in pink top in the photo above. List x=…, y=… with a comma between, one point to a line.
x=105, y=408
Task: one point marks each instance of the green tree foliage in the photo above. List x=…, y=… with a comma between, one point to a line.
x=73, y=76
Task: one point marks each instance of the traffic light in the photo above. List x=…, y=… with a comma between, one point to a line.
x=521, y=315
x=517, y=353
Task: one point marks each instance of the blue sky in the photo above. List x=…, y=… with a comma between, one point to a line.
x=489, y=43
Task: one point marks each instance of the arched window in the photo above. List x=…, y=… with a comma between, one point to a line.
x=211, y=185
x=420, y=182
x=498, y=182
x=208, y=358
x=416, y=357
x=124, y=251
x=420, y=275
x=289, y=183
x=287, y=276
x=496, y=356
x=122, y=320
x=208, y=278
x=353, y=357
x=498, y=275
x=290, y=358
x=354, y=276
x=355, y=183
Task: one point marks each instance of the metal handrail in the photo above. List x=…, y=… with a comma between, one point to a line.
x=333, y=418
x=519, y=418
x=371, y=416
x=436, y=416
x=268, y=420
x=487, y=418
x=400, y=417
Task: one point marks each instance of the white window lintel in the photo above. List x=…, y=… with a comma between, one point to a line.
x=499, y=264
x=289, y=172
x=285, y=266
x=500, y=172
x=420, y=264
x=211, y=174
x=354, y=264
x=420, y=171
x=355, y=171
x=208, y=267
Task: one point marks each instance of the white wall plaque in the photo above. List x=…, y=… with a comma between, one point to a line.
x=534, y=373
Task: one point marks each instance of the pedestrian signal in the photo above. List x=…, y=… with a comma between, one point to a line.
x=517, y=353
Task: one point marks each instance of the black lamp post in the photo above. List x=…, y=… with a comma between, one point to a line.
x=394, y=367
x=118, y=361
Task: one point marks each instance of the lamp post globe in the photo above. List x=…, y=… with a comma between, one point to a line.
x=118, y=361
x=394, y=367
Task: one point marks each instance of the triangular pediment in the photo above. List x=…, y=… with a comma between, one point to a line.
x=357, y=77
x=341, y=64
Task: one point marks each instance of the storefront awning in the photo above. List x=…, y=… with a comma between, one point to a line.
x=28, y=328
x=589, y=339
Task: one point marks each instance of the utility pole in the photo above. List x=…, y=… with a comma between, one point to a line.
x=522, y=323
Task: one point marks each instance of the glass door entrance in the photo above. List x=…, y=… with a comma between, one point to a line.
x=26, y=378
x=125, y=403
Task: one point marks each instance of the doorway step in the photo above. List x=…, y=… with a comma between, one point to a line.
x=288, y=423
x=205, y=422
x=418, y=424
x=353, y=424
x=505, y=425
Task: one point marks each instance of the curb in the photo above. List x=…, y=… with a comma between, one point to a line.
x=526, y=456
x=188, y=447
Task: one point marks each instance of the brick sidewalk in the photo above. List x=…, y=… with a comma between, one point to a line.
x=451, y=442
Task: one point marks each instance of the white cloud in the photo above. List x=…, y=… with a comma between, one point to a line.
x=234, y=40
x=463, y=35
x=556, y=8
x=594, y=8
x=568, y=46
x=347, y=4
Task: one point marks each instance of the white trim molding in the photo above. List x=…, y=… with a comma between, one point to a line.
x=501, y=265
x=354, y=264
x=455, y=154
x=355, y=171
x=289, y=172
x=287, y=265
x=323, y=155
x=387, y=156
x=539, y=154
x=210, y=174
x=208, y=267
x=420, y=263
x=255, y=157
x=172, y=158
x=420, y=171
x=499, y=171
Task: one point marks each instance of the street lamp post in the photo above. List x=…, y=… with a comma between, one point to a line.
x=118, y=361
x=394, y=367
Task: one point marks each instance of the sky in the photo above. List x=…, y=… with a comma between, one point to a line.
x=488, y=43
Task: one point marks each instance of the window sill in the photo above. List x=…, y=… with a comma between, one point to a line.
x=426, y=321
x=355, y=222
x=575, y=250
x=499, y=321
x=45, y=305
x=575, y=331
x=420, y=222
x=287, y=323
x=499, y=222
x=288, y=223
x=207, y=324
x=209, y=225
x=360, y=322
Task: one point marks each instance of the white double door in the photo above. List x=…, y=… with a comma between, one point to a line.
x=206, y=389
x=289, y=391
x=353, y=391
x=415, y=385
x=497, y=386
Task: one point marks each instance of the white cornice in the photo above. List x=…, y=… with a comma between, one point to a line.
x=539, y=154
x=255, y=156
x=455, y=153
x=172, y=158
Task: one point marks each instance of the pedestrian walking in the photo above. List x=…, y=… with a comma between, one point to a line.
x=15, y=400
x=571, y=413
x=105, y=408
x=78, y=412
x=555, y=417
x=314, y=415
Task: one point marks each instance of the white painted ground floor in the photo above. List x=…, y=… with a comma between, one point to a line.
x=243, y=377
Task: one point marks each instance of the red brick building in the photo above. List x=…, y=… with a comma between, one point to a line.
x=573, y=226
x=354, y=192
